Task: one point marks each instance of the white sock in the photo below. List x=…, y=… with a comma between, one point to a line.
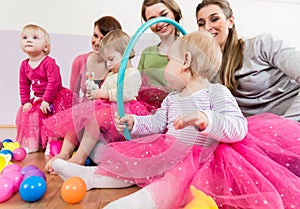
x=140, y=199
x=66, y=170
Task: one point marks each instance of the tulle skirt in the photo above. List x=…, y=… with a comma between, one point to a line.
x=99, y=111
x=261, y=171
x=31, y=132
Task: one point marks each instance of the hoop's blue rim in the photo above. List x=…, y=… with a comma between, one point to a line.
x=126, y=55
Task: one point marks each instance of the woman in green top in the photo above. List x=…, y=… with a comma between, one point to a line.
x=154, y=59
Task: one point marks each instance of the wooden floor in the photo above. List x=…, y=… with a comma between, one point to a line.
x=94, y=199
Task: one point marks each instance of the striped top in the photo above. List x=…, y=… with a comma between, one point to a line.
x=226, y=123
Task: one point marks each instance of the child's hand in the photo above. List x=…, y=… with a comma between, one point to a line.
x=197, y=119
x=45, y=107
x=27, y=106
x=91, y=94
x=120, y=122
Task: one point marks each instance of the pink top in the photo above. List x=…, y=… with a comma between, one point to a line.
x=44, y=80
x=78, y=74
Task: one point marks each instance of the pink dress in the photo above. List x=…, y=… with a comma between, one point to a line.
x=45, y=82
x=257, y=171
x=100, y=111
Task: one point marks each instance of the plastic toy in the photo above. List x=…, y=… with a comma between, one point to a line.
x=35, y=172
x=7, y=154
x=32, y=189
x=90, y=84
x=11, y=146
x=7, y=140
x=27, y=168
x=73, y=190
x=126, y=56
x=200, y=201
x=11, y=167
x=16, y=177
x=6, y=188
x=4, y=160
x=19, y=154
x=55, y=147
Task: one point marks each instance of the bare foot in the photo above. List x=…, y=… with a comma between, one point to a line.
x=48, y=167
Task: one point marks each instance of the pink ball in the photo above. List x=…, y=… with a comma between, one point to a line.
x=19, y=154
x=11, y=167
x=16, y=177
x=6, y=188
x=55, y=147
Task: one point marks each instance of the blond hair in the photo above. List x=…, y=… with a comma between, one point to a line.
x=116, y=39
x=206, y=54
x=39, y=29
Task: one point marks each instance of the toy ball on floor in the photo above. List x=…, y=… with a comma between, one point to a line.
x=11, y=167
x=6, y=188
x=35, y=172
x=16, y=177
x=73, y=190
x=55, y=147
x=3, y=162
x=27, y=168
x=7, y=140
x=19, y=154
x=32, y=188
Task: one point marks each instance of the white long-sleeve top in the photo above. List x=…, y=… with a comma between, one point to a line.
x=226, y=122
x=132, y=84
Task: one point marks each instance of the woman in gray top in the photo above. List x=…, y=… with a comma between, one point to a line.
x=262, y=73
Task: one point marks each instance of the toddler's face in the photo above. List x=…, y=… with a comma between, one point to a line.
x=112, y=59
x=173, y=70
x=33, y=42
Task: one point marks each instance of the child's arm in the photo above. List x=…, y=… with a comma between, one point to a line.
x=198, y=119
x=223, y=122
x=27, y=106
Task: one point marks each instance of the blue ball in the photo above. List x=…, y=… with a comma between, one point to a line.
x=7, y=140
x=32, y=188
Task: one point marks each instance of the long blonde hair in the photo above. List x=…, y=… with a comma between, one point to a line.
x=233, y=50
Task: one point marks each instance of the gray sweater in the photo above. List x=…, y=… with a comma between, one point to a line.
x=269, y=80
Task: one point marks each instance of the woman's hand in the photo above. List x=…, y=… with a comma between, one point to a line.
x=121, y=123
x=197, y=119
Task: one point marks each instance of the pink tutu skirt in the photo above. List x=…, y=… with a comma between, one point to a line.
x=31, y=132
x=259, y=172
x=100, y=111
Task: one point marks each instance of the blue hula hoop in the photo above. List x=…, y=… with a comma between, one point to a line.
x=126, y=55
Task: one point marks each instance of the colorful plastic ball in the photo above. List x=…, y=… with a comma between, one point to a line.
x=73, y=190
x=11, y=145
x=3, y=162
x=11, y=167
x=32, y=189
x=16, y=177
x=35, y=172
x=7, y=140
x=55, y=147
x=19, y=154
x=6, y=188
x=8, y=153
x=27, y=168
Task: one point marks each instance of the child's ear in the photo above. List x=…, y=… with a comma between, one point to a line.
x=187, y=60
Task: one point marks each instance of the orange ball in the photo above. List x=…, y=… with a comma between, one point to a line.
x=73, y=190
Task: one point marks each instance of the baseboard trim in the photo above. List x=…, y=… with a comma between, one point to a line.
x=7, y=126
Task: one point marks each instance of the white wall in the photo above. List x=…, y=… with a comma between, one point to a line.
x=70, y=24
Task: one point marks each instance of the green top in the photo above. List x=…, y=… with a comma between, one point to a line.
x=152, y=64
